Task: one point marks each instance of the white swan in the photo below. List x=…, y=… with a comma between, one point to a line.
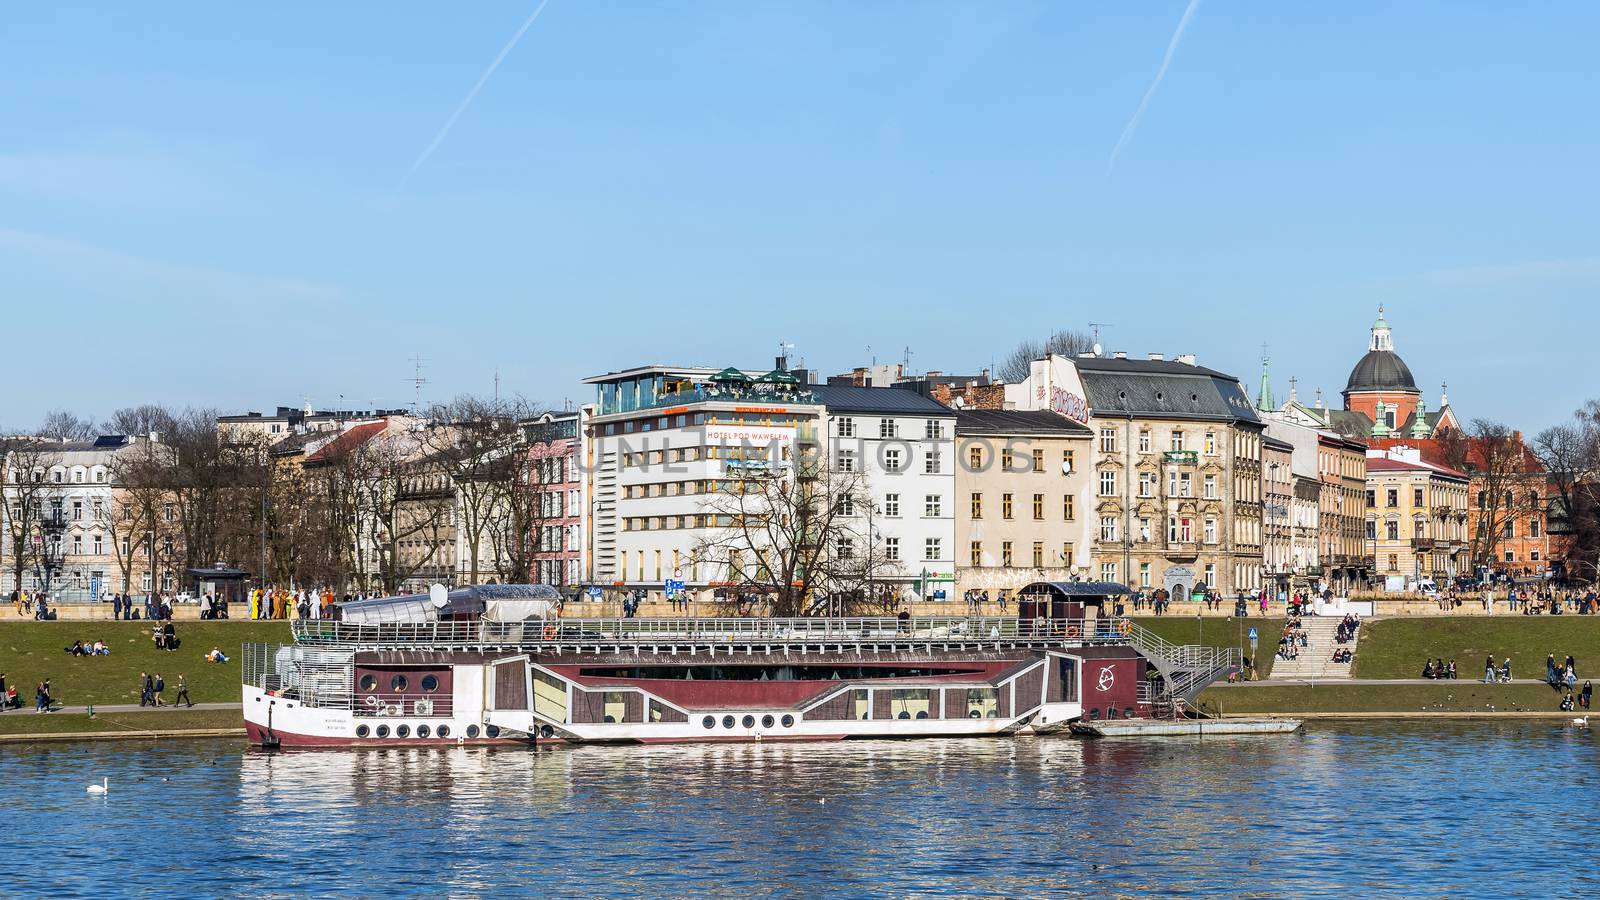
x=1581, y=723
x=101, y=788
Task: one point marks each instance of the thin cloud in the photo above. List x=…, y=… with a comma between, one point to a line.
x=483, y=79
x=1172, y=48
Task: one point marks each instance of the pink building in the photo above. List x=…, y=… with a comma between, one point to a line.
x=554, y=440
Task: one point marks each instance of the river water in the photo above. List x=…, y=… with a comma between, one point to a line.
x=1430, y=809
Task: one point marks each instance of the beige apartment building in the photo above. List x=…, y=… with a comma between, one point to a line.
x=1023, y=500
x=1417, y=519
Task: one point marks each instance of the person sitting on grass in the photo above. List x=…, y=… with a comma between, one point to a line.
x=100, y=649
x=76, y=649
x=216, y=656
x=1566, y=702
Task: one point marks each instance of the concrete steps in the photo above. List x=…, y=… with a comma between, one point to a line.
x=1316, y=660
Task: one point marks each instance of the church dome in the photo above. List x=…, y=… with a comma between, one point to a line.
x=1381, y=370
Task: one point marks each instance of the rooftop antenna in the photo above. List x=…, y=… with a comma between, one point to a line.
x=417, y=381
x=497, y=387
x=783, y=351
x=1097, y=326
x=905, y=366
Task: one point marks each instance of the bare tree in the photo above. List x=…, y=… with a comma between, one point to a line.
x=66, y=426
x=1570, y=454
x=25, y=463
x=1497, y=460
x=144, y=419
x=800, y=537
x=143, y=519
x=402, y=505
x=470, y=440
x=1018, y=364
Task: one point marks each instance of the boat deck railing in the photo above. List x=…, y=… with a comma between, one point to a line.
x=715, y=632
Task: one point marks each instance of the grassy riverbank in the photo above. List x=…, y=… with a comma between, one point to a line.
x=1229, y=632
x=1398, y=648
x=1377, y=698
x=33, y=651
x=25, y=721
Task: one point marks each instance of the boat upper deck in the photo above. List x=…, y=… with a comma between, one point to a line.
x=720, y=634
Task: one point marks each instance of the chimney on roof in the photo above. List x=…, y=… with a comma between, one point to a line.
x=1188, y=359
x=1086, y=354
x=1157, y=357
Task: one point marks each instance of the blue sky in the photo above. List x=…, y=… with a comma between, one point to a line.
x=215, y=204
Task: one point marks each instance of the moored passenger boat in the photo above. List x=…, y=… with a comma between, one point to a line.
x=499, y=664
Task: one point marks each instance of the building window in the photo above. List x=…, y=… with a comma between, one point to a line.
x=99, y=546
x=1211, y=530
x=887, y=428
x=891, y=460
x=1144, y=529
x=1211, y=443
x=1177, y=441
x=1005, y=554
x=1392, y=530
x=1144, y=575
x=1147, y=484
x=891, y=549
x=1038, y=460
x=931, y=549
x=847, y=460
x=847, y=548
x=1108, y=440
x=1038, y=554
x=1108, y=483
x=1068, y=465
x=1108, y=571
x=77, y=510
x=1005, y=460
x=1066, y=507
x=1185, y=485
x=1038, y=507
x=931, y=509
x=933, y=430
x=1144, y=440
x=1211, y=487
x=1533, y=528
x=977, y=505
x=1416, y=498
x=891, y=505
x=930, y=463
x=1066, y=555
x=1211, y=575
x=1393, y=497
x=975, y=459
x=847, y=428
x=1108, y=528
x=847, y=506
x=1005, y=506
x=1510, y=529
x=976, y=551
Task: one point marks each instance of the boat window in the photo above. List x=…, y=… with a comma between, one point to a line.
x=362, y=731
x=472, y=731
x=1127, y=713
x=422, y=731
x=766, y=721
x=444, y=731
x=430, y=683
x=369, y=683
x=788, y=721
x=727, y=721
x=383, y=731
x=749, y=721
x=402, y=731
x=398, y=684
x=709, y=721
x=492, y=731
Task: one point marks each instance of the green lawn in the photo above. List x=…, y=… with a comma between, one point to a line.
x=33, y=651
x=25, y=721
x=1229, y=632
x=1452, y=696
x=1398, y=648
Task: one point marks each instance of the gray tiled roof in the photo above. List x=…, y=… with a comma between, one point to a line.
x=898, y=401
x=1163, y=388
x=1016, y=421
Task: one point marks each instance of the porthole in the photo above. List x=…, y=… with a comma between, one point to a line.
x=749, y=721
x=1127, y=713
x=383, y=731
x=766, y=721
x=923, y=714
x=369, y=683
x=430, y=683
x=903, y=715
x=492, y=731
x=1111, y=712
x=975, y=714
x=472, y=731
x=709, y=721
x=423, y=731
x=611, y=720
x=545, y=731
x=398, y=684
x=362, y=731
x=727, y=721
x=444, y=731
x=402, y=731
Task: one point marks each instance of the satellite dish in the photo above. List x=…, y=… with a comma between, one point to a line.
x=959, y=402
x=439, y=595
x=1066, y=467
x=1099, y=350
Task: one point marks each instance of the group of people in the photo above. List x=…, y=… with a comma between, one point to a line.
x=1564, y=678
x=151, y=688
x=300, y=603
x=36, y=604
x=153, y=607
x=1439, y=669
x=165, y=635
x=94, y=648
x=42, y=700
x=1293, y=639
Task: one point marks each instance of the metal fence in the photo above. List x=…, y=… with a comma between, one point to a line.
x=315, y=676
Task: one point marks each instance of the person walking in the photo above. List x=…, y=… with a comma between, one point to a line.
x=157, y=688
x=1488, y=670
x=146, y=691
x=183, y=692
x=1583, y=697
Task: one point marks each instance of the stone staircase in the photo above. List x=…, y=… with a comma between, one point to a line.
x=1316, y=660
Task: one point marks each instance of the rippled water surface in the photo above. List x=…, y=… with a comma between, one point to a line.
x=1427, y=809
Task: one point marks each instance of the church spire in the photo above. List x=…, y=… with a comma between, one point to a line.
x=1444, y=395
x=1382, y=336
x=1264, y=399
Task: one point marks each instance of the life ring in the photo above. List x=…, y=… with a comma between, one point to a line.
x=1125, y=627
x=549, y=632
x=1073, y=631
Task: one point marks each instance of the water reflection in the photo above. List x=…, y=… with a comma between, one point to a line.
x=1404, y=809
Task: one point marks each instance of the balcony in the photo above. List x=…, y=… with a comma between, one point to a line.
x=1423, y=543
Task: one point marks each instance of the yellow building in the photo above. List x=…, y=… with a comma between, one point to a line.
x=1416, y=519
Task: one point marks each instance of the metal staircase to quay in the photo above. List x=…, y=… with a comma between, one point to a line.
x=1185, y=669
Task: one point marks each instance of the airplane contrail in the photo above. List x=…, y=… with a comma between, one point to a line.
x=449, y=123
x=1172, y=48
